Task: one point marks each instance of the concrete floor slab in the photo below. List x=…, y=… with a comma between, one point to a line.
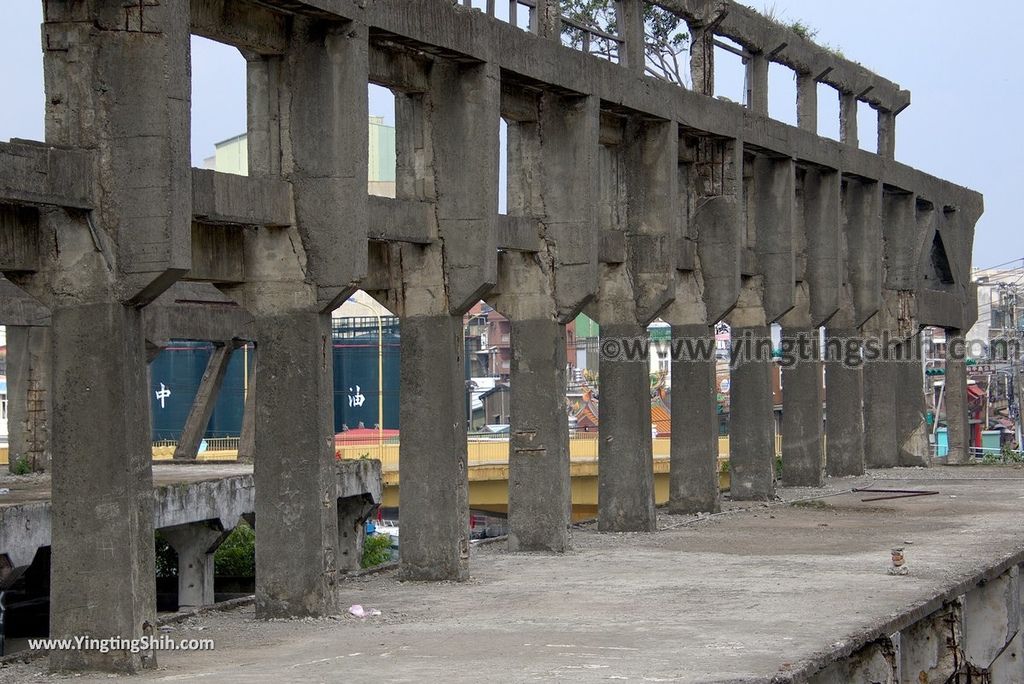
x=761, y=593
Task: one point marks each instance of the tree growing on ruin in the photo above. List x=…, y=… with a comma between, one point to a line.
x=667, y=40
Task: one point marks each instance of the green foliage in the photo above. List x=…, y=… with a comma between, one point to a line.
x=665, y=34
x=21, y=467
x=166, y=558
x=236, y=557
x=778, y=466
x=376, y=550
x=803, y=30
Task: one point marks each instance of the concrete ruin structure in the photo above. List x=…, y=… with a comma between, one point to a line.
x=629, y=197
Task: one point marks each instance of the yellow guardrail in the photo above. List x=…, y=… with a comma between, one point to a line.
x=483, y=451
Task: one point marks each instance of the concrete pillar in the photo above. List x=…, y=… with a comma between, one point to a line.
x=848, y=119
x=911, y=423
x=247, y=438
x=102, y=525
x=352, y=514
x=702, y=59
x=880, y=441
x=296, y=557
x=434, y=493
x=630, y=19
x=757, y=83
x=954, y=399
x=625, y=495
x=28, y=396
x=925, y=653
x=887, y=134
x=844, y=407
x=540, y=492
x=205, y=400
x=807, y=102
x=803, y=455
x=751, y=422
x=693, y=478
x=195, y=544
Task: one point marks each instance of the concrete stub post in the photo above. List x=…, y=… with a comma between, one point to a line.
x=195, y=544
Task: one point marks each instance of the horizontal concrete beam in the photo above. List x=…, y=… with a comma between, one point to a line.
x=34, y=173
x=519, y=234
x=18, y=308
x=245, y=25
x=230, y=199
x=401, y=220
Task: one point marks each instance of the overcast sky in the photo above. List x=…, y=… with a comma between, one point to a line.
x=962, y=69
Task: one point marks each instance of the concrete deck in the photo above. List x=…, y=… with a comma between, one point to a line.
x=761, y=593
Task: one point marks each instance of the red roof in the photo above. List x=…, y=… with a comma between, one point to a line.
x=363, y=436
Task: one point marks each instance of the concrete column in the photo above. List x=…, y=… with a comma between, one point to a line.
x=195, y=544
x=693, y=478
x=434, y=491
x=702, y=60
x=848, y=119
x=625, y=495
x=630, y=16
x=803, y=455
x=807, y=102
x=296, y=557
x=887, y=134
x=751, y=423
x=247, y=439
x=352, y=514
x=28, y=396
x=844, y=410
x=954, y=399
x=202, y=405
x=757, y=83
x=540, y=493
x=102, y=525
x=911, y=425
x=549, y=21
x=880, y=442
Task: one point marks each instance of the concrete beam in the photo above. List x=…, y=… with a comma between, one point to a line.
x=202, y=405
x=397, y=220
x=37, y=174
x=19, y=239
x=246, y=25
x=227, y=198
